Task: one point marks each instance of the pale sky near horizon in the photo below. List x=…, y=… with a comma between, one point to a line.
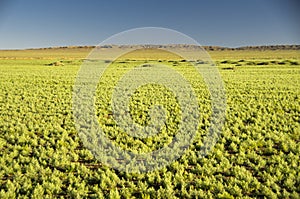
x=231, y=23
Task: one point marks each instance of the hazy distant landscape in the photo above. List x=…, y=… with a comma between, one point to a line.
x=216, y=52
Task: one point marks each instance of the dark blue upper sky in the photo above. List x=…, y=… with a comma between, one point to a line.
x=43, y=23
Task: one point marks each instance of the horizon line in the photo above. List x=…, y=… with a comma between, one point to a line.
x=296, y=46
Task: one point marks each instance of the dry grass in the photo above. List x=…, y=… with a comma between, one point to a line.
x=82, y=52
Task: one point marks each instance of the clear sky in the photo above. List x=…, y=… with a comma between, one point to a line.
x=231, y=23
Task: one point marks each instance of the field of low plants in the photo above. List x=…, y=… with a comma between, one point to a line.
x=257, y=154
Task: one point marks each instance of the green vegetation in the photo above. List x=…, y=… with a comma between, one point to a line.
x=257, y=155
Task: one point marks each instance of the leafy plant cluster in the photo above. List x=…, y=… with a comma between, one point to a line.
x=243, y=62
x=42, y=156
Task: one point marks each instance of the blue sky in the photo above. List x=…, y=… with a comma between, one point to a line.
x=231, y=23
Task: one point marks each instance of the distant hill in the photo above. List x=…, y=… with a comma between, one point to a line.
x=208, y=48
